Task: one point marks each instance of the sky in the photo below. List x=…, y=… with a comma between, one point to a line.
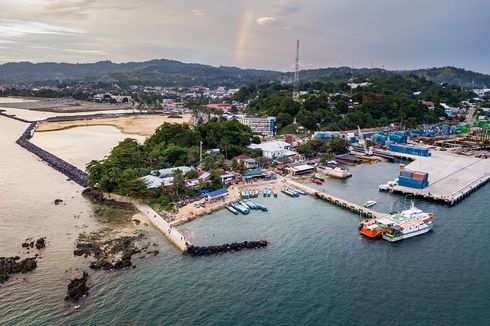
x=391, y=34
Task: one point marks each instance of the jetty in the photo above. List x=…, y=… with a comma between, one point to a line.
x=171, y=233
x=357, y=208
x=452, y=177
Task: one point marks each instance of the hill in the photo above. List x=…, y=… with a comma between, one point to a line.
x=164, y=72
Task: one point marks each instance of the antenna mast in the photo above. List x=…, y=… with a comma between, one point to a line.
x=296, y=74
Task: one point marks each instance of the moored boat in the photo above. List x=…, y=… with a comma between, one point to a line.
x=369, y=203
x=406, y=229
x=231, y=209
x=242, y=209
x=261, y=207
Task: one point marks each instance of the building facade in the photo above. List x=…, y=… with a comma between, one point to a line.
x=264, y=126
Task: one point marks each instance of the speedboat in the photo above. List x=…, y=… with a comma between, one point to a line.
x=370, y=203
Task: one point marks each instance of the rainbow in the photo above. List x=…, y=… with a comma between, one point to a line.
x=242, y=36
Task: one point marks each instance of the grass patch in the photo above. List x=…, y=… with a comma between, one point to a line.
x=112, y=215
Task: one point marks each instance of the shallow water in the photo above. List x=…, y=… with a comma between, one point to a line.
x=317, y=270
x=80, y=145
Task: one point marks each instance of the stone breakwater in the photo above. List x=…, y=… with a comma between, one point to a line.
x=55, y=162
x=227, y=247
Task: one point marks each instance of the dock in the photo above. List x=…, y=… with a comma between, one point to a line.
x=452, y=177
x=359, y=209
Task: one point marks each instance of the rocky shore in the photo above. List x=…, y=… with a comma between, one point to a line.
x=55, y=162
x=77, y=288
x=14, y=265
x=227, y=247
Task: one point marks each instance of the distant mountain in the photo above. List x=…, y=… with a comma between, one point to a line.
x=450, y=75
x=164, y=72
x=155, y=72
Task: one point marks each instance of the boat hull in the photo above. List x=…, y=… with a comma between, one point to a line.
x=405, y=236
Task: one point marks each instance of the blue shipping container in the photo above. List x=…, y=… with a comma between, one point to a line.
x=412, y=183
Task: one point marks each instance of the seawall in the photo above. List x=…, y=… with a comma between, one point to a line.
x=55, y=162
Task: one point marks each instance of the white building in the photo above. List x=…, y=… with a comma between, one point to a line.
x=259, y=125
x=274, y=149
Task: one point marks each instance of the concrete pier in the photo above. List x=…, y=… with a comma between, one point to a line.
x=451, y=177
x=172, y=234
x=337, y=201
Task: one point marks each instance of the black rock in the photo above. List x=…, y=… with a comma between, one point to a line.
x=77, y=288
x=40, y=243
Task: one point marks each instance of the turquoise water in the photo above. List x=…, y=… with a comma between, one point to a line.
x=317, y=270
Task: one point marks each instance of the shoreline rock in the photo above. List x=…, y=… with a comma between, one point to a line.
x=227, y=247
x=13, y=265
x=77, y=288
x=109, y=253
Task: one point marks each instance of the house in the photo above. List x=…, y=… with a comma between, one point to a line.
x=163, y=177
x=217, y=194
x=227, y=177
x=301, y=169
x=248, y=162
x=274, y=149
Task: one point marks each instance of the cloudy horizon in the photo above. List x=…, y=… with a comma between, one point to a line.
x=390, y=34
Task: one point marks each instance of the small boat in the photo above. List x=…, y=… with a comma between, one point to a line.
x=231, y=209
x=299, y=191
x=251, y=204
x=290, y=193
x=264, y=194
x=316, y=176
x=244, y=204
x=256, y=193
x=261, y=207
x=316, y=181
x=274, y=194
x=242, y=209
x=369, y=203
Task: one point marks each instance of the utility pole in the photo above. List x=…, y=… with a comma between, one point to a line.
x=296, y=74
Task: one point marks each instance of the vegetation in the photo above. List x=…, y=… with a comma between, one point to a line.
x=335, y=106
x=325, y=150
x=171, y=145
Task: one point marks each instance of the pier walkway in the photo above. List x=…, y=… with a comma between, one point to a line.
x=336, y=200
x=172, y=234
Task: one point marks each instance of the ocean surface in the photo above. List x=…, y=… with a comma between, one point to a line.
x=317, y=269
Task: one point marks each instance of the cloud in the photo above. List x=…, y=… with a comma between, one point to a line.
x=266, y=20
x=11, y=28
x=197, y=12
x=285, y=7
x=78, y=9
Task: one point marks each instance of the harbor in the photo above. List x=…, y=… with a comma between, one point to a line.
x=451, y=177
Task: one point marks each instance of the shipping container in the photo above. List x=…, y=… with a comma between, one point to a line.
x=412, y=183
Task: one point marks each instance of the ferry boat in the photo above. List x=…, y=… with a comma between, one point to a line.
x=369, y=203
x=406, y=229
x=375, y=227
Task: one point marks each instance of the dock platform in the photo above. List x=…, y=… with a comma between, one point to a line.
x=337, y=200
x=452, y=177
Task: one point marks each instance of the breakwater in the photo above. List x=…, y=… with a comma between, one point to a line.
x=227, y=247
x=55, y=162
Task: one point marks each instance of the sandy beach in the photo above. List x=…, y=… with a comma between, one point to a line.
x=144, y=125
x=190, y=212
